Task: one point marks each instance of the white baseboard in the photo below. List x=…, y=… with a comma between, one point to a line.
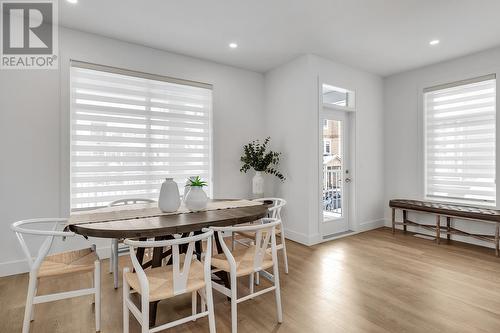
x=370, y=225
x=297, y=237
x=13, y=267
x=316, y=238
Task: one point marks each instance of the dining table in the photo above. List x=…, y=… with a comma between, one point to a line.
x=145, y=221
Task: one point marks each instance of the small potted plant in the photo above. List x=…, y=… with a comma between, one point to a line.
x=196, y=199
x=255, y=156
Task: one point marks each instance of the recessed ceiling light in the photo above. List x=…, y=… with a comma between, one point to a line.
x=233, y=45
x=434, y=42
x=72, y=1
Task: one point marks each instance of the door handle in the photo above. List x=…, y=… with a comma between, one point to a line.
x=348, y=179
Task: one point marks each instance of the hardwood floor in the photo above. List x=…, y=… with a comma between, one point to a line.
x=370, y=282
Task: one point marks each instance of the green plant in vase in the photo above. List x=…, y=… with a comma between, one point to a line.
x=196, y=199
x=196, y=181
x=256, y=156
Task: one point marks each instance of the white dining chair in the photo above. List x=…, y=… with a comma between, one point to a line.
x=247, y=261
x=185, y=275
x=116, y=249
x=274, y=211
x=52, y=266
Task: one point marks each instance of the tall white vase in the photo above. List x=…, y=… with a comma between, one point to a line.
x=169, y=200
x=196, y=199
x=258, y=185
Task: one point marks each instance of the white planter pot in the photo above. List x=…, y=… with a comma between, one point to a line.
x=169, y=200
x=187, y=187
x=258, y=185
x=196, y=199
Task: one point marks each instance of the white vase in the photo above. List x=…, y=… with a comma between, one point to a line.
x=187, y=187
x=258, y=185
x=196, y=199
x=169, y=200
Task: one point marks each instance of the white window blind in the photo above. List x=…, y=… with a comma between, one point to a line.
x=131, y=130
x=460, y=140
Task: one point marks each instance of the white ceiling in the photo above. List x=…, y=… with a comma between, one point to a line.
x=380, y=36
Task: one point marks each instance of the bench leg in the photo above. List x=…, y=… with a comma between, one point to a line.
x=448, y=227
x=405, y=218
x=393, y=221
x=497, y=240
x=438, y=229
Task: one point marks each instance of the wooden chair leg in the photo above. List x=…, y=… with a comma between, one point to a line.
x=29, y=303
x=194, y=300
x=34, y=295
x=210, y=307
x=285, y=257
x=126, y=295
x=97, y=295
x=115, y=263
x=251, y=282
x=277, y=293
x=145, y=314
x=234, y=304
x=111, y=256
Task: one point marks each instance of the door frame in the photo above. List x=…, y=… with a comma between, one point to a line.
x=350, y=115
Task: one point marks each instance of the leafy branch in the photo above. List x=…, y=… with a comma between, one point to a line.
x=256, y=157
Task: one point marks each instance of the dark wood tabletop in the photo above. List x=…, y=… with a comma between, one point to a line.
x=170, y=224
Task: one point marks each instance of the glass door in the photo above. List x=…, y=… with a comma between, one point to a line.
x=335, y=173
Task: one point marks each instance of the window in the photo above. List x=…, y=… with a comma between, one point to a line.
x=460, y=141
x=338, y=97
x=131, y=130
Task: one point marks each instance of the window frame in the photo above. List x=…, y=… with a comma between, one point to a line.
x=454, y=81
x=138, y=74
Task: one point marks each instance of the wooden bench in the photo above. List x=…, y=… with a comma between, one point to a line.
x=450, y=211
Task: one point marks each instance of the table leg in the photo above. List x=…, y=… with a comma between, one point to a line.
x=139, y=254
x=438, y=228
x=405, y=218
x=198, y=248
x=224, y=276
x=156, y=262
x=393, y=220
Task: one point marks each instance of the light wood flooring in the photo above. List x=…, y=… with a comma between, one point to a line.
x=369, y=282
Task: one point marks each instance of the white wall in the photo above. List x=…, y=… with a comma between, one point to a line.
x=292, y=114
x=403, y=139
x=34, y=127
x=290, y=118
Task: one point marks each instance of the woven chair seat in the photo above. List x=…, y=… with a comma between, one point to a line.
x=244, y=261
x=161, y=281
x=68, y=263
